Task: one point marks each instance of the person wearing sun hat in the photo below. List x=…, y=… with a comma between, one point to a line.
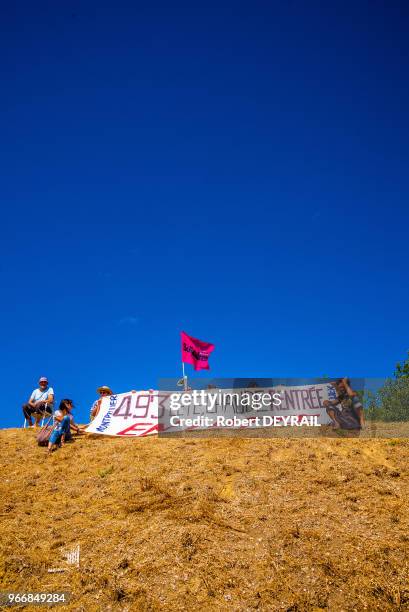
x=40, y=403
x=102, y=392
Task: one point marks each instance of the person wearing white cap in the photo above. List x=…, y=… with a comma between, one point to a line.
x=40, y=402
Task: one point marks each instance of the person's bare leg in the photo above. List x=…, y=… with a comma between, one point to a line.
x=331, y=414
x=361, y=417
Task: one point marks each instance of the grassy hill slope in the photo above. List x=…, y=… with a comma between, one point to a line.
x=208, y=524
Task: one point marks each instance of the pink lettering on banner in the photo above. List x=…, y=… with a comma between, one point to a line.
x=319, y=397
x=317, y=393
x=142, y=405
x=289, y=400
x=306, y=399
x=302, y=399
x=126, y=405
x=141, y=429
x=162, y=397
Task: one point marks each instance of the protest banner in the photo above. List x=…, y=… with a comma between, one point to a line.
x=136, y=412
x=141, y=413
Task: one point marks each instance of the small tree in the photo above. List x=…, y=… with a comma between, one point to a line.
x=391, y=401
x=394, y=400
x=402, y=369
x=372, y=405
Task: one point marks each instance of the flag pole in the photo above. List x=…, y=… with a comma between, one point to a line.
x=184, y=377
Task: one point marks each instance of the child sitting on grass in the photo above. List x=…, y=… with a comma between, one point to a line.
x=61, y=429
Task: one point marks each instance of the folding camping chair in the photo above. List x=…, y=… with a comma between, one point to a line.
x=44, y=415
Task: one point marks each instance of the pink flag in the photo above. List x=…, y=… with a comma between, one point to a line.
x=196, y=352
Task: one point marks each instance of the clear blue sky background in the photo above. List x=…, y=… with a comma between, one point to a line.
x=238, y=170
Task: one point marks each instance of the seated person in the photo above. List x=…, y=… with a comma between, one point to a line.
x=59, y=415
x=60, y=431
x=346, y=411
x=40, y=403
x=102, y=391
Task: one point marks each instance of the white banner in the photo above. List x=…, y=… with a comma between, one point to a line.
x=127, y=414
x=141, y=413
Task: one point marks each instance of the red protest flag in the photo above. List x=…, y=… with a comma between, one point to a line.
x=196, y=352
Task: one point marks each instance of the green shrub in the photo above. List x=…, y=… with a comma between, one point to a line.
x=391, y=402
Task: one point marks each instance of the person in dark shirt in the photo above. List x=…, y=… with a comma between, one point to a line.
x=346, y=412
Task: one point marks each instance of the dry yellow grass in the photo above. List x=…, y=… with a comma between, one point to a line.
x=209, y=524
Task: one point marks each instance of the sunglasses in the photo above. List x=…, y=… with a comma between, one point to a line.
x=104, y=393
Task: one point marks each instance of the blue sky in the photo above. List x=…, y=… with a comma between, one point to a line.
x=235, y=170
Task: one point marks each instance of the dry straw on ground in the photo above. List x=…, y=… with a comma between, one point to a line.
x=209, y=524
